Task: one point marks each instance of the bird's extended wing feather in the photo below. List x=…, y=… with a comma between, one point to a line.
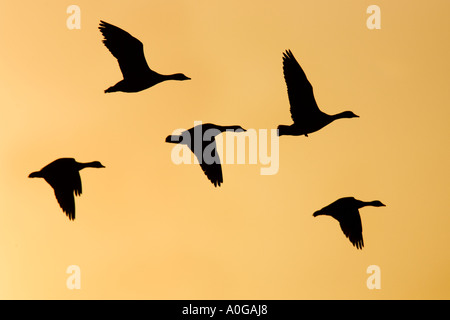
x=352, y=228
x=128, y=50
x=65, y=186
x=210, y=163
x=300, y=90
x=66, y=201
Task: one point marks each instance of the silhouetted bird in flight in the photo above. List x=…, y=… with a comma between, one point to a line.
x=129, y=52
x=63, y=176
x=205, y=151
x=345, y=210
x=305, y=113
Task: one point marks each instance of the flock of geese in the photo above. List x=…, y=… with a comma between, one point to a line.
x=63, y=174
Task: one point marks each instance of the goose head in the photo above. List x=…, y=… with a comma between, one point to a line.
x=348, y=114
x=377, y=203
x=95, y=164
x=231, y=128
x=179, y=76
x=237, y=128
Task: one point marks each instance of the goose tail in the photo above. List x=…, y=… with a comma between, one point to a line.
x=173, y=139
x=282, y=130
x=318, y=213
x=111, y=89
x=36, y=174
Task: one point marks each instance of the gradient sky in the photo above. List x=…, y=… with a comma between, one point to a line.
x=149, y=229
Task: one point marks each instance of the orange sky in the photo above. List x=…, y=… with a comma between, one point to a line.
x=149, y=229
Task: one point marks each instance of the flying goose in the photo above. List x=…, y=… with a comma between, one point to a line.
x=129, y=52
x=305, y=113
x=63, y=176
x=346, y=211
x=195, y=137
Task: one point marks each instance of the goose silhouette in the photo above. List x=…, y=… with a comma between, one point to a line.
x=305, y=113
x=63, y=176
x=129, y=52
x=205, y=151
x=346, y=211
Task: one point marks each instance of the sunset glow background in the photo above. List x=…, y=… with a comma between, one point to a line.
x=146, y=228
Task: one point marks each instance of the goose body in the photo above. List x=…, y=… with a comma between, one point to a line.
x=305, y=113
x=129, y=52
x=63, y=176
x=346, y=211
x=209, y=161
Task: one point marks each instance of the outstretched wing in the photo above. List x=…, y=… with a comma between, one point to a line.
x=209, y=161
x=65, y=186
x=352, y=228
x=128, y=50
x=66, y=201
x=300, y=91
